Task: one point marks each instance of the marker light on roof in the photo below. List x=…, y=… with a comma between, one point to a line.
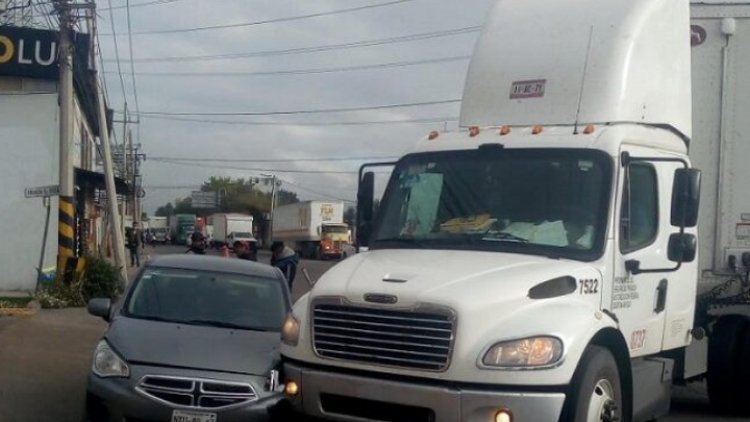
x=589, y=129
x=433, y=135
x=505, y=130
x=537, y=130
x=474, y=131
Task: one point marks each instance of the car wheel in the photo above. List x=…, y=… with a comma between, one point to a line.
x=596, y=391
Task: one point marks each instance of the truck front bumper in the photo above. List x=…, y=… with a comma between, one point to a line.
x=355, y=398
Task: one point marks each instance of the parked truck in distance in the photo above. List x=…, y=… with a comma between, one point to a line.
x=181, y=226
x=228, y=229
x=578, y=247
x=315, y=229
x=159, y=228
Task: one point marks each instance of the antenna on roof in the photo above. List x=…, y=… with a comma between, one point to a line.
x=583, y=79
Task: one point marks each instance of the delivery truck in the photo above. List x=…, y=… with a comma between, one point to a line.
x=315, y=229
x=576, y=249
x=181, y=227
x=231, y=228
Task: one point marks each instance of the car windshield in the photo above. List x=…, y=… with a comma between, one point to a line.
x=243, y=234
x=547, y=202
x=208, y=298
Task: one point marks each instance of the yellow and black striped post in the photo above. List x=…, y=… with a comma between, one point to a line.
x=66, y=240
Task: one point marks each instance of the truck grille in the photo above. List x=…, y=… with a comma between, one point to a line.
x=408, y=339
x=198, y=393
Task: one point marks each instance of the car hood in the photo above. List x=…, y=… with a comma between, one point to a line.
x=195, y=347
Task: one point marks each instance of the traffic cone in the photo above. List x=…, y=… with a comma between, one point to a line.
x=225, y=251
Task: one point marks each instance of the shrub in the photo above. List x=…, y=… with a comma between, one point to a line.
x=100, y=279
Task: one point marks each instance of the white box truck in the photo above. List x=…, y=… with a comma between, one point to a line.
x=231, y=228
x=581, y=245
x=315, y=229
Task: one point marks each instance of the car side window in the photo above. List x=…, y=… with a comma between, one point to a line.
x=639, y=216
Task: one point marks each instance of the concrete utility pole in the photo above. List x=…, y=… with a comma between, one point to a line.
x=66, y=215
x=118, y=244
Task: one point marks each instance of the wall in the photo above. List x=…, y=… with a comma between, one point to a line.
x=29, y=141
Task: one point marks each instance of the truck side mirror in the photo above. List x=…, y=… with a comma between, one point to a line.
x=686, y=192
x=365, y=204
x=682, y=247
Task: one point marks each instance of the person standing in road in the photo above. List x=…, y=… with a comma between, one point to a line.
x=285, y=259
x=197, y=242
x=134, y=243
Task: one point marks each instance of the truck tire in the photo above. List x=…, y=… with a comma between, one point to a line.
x=596, y=391
x=726, y=363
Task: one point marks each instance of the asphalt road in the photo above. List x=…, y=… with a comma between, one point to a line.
x=44, y=361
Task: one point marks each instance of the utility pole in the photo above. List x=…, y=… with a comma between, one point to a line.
x=272, y=177
x=124, y=168
x=66, y=214
x=118, y=244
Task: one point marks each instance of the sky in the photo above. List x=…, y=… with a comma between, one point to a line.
x=213, y=91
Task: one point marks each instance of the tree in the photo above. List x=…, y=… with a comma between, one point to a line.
x=165, y=210
x=350, y=215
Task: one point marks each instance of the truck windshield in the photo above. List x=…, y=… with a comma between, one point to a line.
x=336, y=229
x=547, y=202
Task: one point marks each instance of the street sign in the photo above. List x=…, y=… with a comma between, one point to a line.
x=203, y=199
x=42, y=191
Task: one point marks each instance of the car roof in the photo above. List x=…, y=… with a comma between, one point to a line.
x=214, y=263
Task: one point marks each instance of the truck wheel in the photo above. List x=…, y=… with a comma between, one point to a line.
x=725, y=360
x=596, y=391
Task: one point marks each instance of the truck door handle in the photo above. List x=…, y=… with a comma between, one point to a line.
x=661, y=296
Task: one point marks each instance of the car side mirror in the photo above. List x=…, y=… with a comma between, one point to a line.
x=365, y=204
x=686, y=193
x=682, y=247
x=100, y=307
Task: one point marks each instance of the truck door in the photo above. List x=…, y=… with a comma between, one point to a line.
x=641, y=238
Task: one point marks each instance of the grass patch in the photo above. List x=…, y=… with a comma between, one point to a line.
x=14, y=302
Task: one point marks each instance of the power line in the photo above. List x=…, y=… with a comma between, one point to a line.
x=313, y=70
x=298, y=112
x=309, y=124
x=256, y=170
x=148, y=3
x=117, y=53
x=132, y=65
x=268, y=21
x=269, y=160
x=315, y=49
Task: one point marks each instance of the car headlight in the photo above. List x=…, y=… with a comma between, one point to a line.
x=290, y=331
x=107, y=363
x=526, y=353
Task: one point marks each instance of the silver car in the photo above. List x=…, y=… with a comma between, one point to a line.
x=194, y=339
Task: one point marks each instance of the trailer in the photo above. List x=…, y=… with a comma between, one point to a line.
x=580, y=246
x=315, y=229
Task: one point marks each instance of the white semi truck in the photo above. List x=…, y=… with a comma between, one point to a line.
x=579, y=247
x=315, y=229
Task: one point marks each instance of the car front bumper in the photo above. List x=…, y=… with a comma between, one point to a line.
x=345, y=397
x=116, y=399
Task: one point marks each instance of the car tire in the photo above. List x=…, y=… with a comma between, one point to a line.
x=596, y=391
x=728, y=364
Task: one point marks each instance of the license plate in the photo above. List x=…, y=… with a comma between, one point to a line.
x=182, y=416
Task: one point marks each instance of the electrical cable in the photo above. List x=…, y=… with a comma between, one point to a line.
x=267, y=21
x=132, y=69
x=429, y=120
x=312, y=71
x=299, y=112
x=315, y=49
x=117, y=54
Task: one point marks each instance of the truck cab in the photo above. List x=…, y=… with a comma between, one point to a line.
x=540, y=264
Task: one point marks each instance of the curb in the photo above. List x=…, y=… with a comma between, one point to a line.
x=18, y=312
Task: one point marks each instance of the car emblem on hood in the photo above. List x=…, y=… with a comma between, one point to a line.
x=379, y=298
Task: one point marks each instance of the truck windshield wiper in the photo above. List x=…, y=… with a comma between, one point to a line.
x=221, y=324
x=504, y=237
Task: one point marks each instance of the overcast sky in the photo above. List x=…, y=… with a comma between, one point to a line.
x=242, y=93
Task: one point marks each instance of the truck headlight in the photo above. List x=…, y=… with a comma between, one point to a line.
x=526, y=353
x=290, y=331
x=107, y=363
